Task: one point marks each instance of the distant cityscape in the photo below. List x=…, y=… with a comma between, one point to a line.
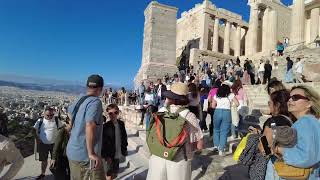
x=24, y=107
x=21, y=104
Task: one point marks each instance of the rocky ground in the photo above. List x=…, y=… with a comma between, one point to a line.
x=22, y=136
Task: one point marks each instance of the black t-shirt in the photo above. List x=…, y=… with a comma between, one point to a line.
x=279, y=120
x=289, y=64
x=267, y=69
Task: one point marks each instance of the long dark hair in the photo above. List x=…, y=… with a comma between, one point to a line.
x=193, y=90
x=237, y=85
x=280, y=99
x=217, y=83
x=223, y=91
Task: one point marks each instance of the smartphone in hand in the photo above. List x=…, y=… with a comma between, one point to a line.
x=92, y=164
x=265, y=145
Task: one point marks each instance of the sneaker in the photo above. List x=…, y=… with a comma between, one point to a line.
x=215, y=149
x=40, y=177
x=222, y=153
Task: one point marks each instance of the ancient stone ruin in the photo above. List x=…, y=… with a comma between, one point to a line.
x=209, y=33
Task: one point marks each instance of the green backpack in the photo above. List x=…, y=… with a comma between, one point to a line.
x=166, y=134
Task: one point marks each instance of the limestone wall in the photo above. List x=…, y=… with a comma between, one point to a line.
x=198, y=25
x=284, y=22
x=188, y=28
x=308, y=29
x=159, y=42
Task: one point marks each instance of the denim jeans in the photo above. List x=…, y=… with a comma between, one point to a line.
x=221, y=128
x=148, y=116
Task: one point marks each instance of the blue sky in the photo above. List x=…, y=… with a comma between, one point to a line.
x=70, y=39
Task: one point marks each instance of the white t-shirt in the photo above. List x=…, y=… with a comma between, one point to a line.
x=48, y=130
x=299, y=67
x=224, y=103
x=261, y=67
x=149, y=97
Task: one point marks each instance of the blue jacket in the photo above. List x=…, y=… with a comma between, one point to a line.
x=306, y=153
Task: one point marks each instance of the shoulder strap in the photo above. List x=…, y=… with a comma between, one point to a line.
x=163, y=141
x=40, y=124
x=57, y=122
x=181, y=109
x=230, y=101
x=178, y=111
x=76, y=109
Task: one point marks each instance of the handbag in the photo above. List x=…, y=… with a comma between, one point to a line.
x=290, y=172
x=240, y=147
x=205, y=105
x=234, y=113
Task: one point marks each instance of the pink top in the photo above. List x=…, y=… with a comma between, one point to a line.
x=241, y=96
x=213, y=92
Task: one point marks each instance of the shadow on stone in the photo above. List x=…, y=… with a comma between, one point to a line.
x=135, y=175
x=48, y=177
x=201, y=162
x=136, y=150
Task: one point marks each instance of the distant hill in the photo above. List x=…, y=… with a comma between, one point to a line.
x=46, y=84
x=72, y=89
x=43, y=84
x=35, y=80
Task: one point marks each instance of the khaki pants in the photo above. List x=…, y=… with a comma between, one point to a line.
x=81, y=171
x=298, y=77
x=161, y=169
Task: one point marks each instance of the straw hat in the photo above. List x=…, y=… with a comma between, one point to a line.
x=178, y=91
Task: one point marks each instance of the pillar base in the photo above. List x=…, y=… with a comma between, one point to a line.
x=153, y=71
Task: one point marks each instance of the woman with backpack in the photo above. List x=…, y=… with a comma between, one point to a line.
x=172, y=163
x=114, y=142
x=222, y=103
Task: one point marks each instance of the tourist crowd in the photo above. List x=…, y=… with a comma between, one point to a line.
x=91, y=142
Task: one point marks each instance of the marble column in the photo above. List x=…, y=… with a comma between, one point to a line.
x=314, y=28
x=204, y=40
x=297, y=23
x=265, y=30
x=226, y=45
x=237, y=41
x=215, y=44
x=253, y=29
x=273, y=30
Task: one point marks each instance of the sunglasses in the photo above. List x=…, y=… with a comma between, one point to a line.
x=50, y=115
x=113, y=113
x=297, y=97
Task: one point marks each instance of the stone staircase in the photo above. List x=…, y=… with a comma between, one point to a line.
x=257, y=97
x=311, y=57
